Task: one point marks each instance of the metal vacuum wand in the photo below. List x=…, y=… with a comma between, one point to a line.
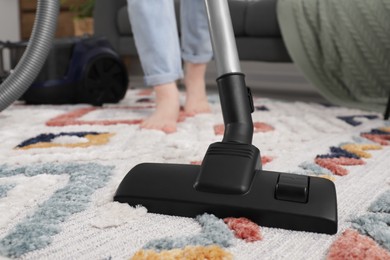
x=222, y=37
x=234, y=177
x=236, y=98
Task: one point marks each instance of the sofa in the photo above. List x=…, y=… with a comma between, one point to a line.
x=254, y=22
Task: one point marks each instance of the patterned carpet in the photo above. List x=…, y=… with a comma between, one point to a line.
x=60, y=167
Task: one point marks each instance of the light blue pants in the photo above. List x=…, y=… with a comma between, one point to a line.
x=156, y=37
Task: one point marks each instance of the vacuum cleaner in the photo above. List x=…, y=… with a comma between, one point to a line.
x=33, y=59
x=230, y=181
x=79, y=70
x=61, y=71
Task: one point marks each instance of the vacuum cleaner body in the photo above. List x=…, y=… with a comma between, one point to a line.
x=77, y=70
x=230, y=181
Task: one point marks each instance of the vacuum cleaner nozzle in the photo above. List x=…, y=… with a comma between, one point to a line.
x=274, y=199
x=230, y=182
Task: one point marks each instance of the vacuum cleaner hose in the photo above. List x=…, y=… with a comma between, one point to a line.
x=35, y=55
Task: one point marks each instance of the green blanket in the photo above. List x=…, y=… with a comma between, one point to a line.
x=342, y=47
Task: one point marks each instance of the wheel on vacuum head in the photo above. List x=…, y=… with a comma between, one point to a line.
x=105, y=80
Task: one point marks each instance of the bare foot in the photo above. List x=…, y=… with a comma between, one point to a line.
x=166, y=114
x=196, y=99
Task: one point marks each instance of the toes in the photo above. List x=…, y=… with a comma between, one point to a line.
x=182, y=116
x=190, y=113
x=169, y=129
x=165, y=127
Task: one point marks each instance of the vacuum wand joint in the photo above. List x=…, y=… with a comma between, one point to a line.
x=237, y=106
x=228, y=168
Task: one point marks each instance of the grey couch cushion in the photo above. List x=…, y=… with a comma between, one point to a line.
x=237, y=13
x=261, y=19
x=249, y=18
x=254, y=21
x=122, y=22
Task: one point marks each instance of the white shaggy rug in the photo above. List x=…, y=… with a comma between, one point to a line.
x=60, y=167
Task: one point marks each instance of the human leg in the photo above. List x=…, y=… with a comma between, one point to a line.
x=156, y=37
x=166, y=113
x=196, y=52
x=196, y=97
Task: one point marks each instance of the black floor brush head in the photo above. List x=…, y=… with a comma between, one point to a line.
x=279, y=200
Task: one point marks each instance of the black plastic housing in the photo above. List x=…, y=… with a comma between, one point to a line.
x=291, y=187
x=77, y=70
x=387, y=111
x=168, y=189
x=228, y=168
x=237, y=106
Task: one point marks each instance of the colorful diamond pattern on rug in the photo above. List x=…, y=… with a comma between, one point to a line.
x=381, y=137
x=299, y=132
x=353, y=120
x=337, y=152
x=376, y=226
x=188, y=253
x=352, y=245
x=68, y=140
x=376, y=223
x=385, y=129
x=75, y=117
x=334, y=164
x=36, y=231
x=359, y=149
x=5, y=188
x=374, y=237
x=381, y=204
x=350, y=154
x=244, y=229
x=214, y=232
